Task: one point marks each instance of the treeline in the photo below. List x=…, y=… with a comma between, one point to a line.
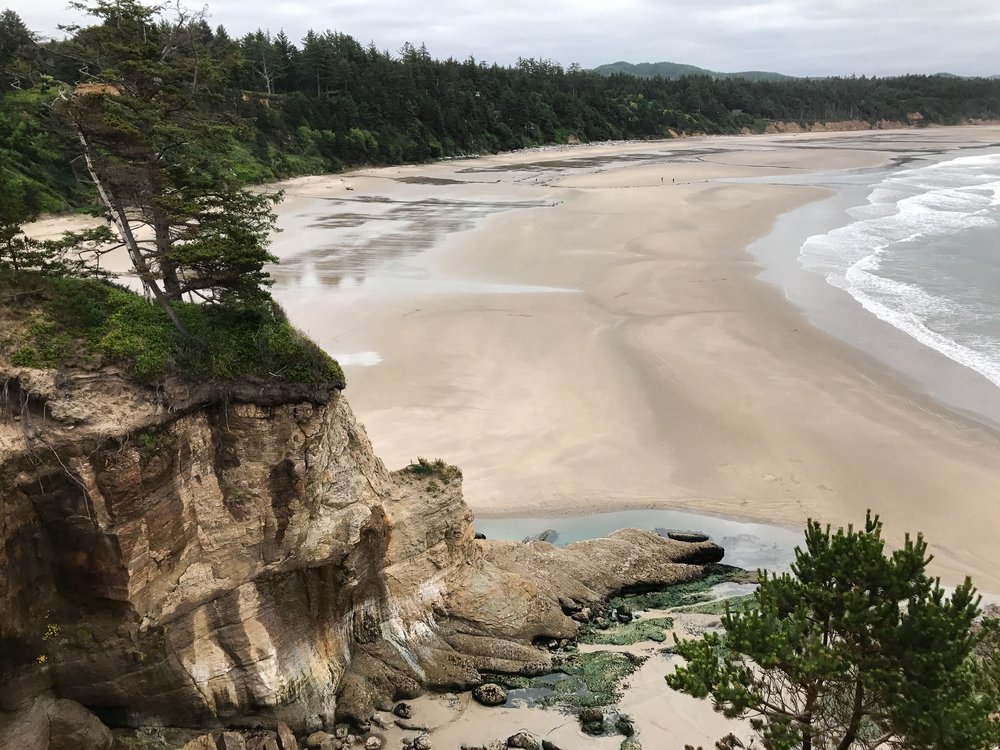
x=330, y=102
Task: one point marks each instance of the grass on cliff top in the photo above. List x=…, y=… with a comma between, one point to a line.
x=83, y=322
x=423, y=467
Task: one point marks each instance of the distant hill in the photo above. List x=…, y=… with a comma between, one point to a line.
x=677, y=70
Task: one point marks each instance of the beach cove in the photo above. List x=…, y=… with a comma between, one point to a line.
x=583, y=330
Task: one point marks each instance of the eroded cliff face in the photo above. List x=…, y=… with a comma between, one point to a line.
x=206, y=557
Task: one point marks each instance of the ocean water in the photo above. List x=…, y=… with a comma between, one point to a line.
x=923, y=254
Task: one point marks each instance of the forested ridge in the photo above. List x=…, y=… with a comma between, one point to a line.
x=329, y=102
x=679, y=70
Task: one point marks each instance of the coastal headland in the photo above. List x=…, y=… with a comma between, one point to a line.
x=580, y=330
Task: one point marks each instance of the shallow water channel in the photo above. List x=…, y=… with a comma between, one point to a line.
x=748, y=545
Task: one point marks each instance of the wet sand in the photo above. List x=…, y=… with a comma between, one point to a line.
x=583, y=330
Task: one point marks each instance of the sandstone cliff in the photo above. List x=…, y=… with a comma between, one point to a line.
x=219, y=557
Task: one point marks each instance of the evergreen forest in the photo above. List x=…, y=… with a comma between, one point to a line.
x=328, y=102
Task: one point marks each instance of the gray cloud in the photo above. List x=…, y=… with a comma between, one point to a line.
x=799, y=37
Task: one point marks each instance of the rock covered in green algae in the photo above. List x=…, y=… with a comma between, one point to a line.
x=654, y=629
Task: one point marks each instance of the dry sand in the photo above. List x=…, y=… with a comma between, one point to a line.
x=583, y=329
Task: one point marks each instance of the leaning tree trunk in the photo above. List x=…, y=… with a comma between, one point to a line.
x=121, y=222
x=167, y=268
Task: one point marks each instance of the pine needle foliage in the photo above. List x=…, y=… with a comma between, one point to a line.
x=857, y=647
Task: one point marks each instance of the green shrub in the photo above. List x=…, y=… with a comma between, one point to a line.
x=46, y=345
x=436, y=468
x=83, y=316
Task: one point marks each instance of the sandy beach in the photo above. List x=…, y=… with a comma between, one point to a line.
x=583, y=329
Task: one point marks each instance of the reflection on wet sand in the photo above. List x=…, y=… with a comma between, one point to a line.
x=376, y=231
x=340, y=240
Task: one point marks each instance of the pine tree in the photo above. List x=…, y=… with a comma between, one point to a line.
x=856, y=648
x=150, y=120
x=18, y=50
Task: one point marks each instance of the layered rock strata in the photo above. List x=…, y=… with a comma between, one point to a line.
x=223, y=557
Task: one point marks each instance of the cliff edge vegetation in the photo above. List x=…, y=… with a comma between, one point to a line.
x=58, y=322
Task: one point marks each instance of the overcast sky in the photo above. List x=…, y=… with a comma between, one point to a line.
x=798, y=37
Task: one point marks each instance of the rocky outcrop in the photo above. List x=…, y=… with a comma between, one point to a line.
x=224, y=557
x=779, y=126
x=46, y=723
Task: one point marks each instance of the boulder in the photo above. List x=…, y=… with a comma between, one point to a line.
x=234, y=741
x=592, y=721
x=286, y=740
x=490, y=694
x=422, y=742
x=524, y=741
x=624, y=726
x=331, y=743
x=412, y=726
x=569, y=606
x=205, y=742
x=546, y=745
x=374, y=742
x=403, y=710
x=624, y=614
x=549, y=535
x=73, y=727
x=316, y=739
x=264, y=741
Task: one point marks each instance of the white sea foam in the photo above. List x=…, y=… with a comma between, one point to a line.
x=903, y=306
x=359, y=359
x=898, y=257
